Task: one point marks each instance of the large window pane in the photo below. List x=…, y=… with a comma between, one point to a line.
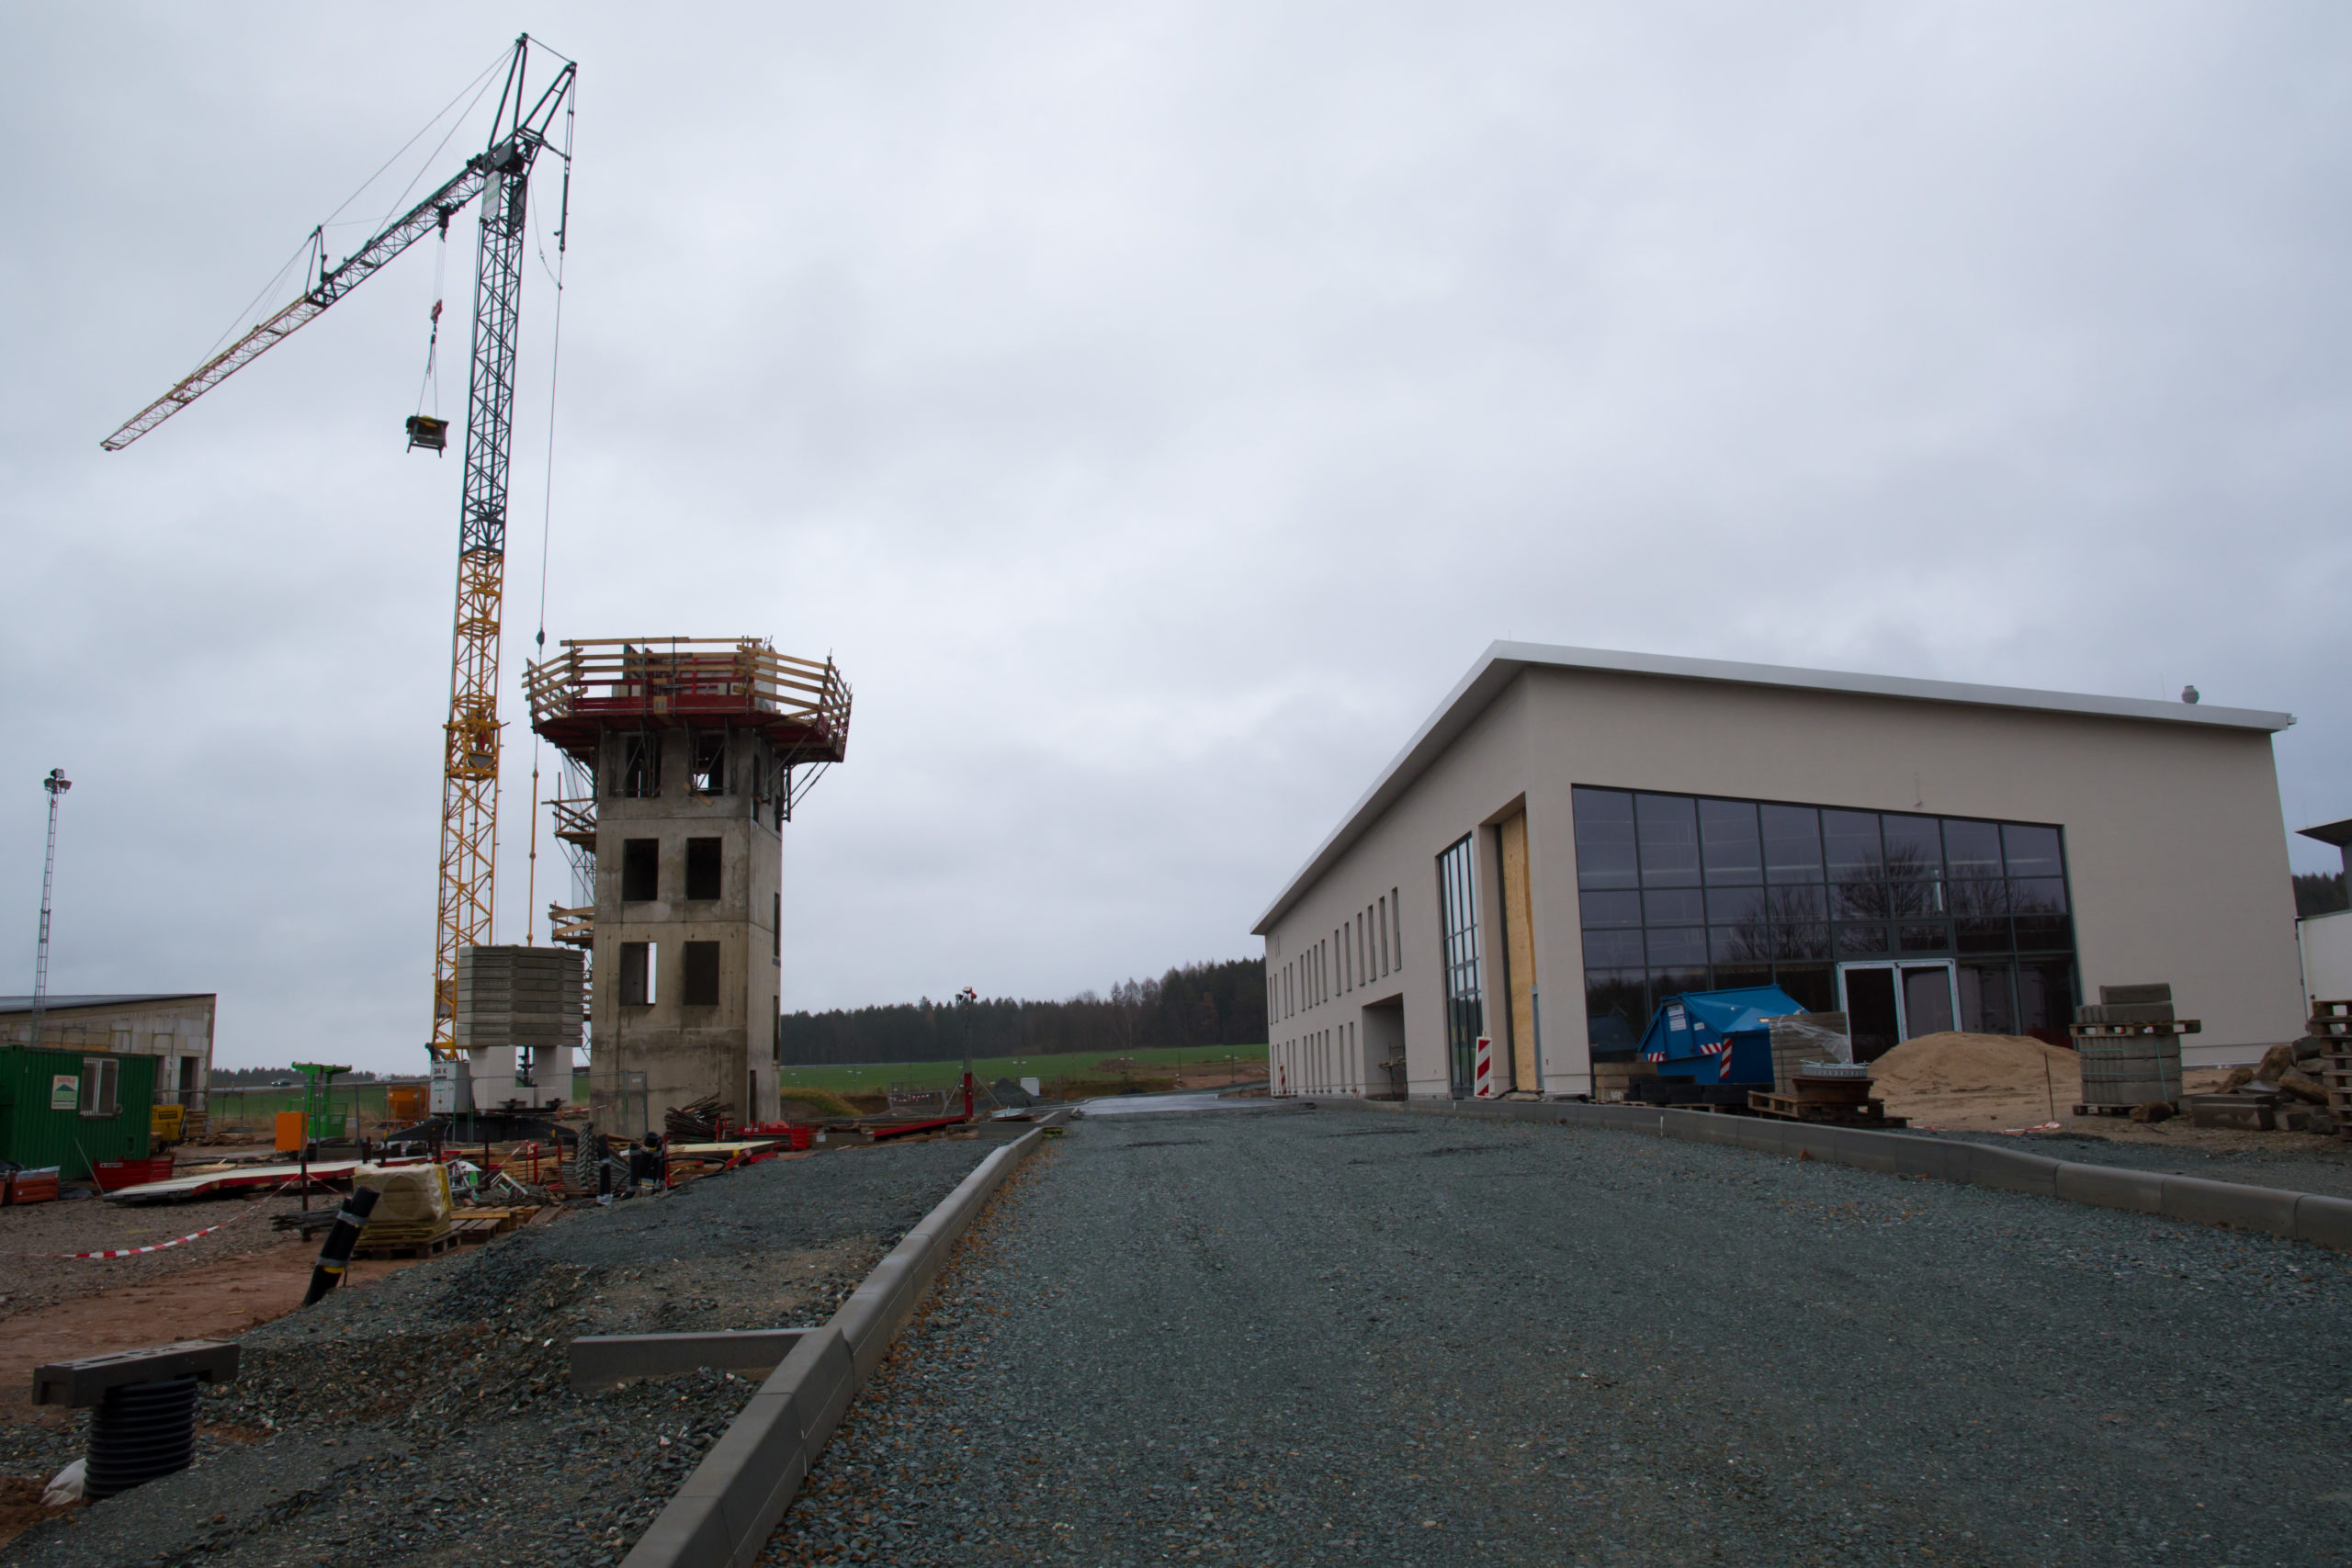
x=1860, y=901
x=1727, y=837
x=2046, y=999
x=1740, y=976
x=1677, y=947
x=1605, y=839
x=1616, y=1009
x=1739, y=944
x=1982, y=933
x=1979, y=897
x=1815, y=986
x=1672, y=981
x=1674, y=906
x=1987, y=1005
x=1668, y=830
x=1800, y=942
x=1610, y=909
x=2038, y=896
x=2044, y=934
x=1798, y=904
x=1613, y=950
x=1792, y=843
x=1925, y=938
x=1466, y=1020
x=1972, y=848
x=2032, y=852
x=1735, y=905
x=1860, y=941
x=1915, y=850
x=1850, y=839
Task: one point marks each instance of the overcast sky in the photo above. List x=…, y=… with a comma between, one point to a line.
x=1155, y=409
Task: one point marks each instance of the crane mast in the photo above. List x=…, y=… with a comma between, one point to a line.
x=501, y=175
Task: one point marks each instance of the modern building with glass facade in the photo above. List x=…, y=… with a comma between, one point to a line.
x=1577, y=834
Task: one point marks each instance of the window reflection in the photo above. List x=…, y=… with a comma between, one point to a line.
x=1731, y=892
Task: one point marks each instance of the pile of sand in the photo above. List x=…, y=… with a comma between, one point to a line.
x=1955, y=1062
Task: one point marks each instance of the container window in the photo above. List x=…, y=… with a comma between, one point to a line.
x=101, y=1082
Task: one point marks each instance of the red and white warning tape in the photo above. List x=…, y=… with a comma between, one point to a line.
x=135, y=1251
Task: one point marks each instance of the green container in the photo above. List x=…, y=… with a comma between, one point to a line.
x=41, y=1103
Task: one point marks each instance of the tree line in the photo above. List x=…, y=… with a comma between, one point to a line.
x=1200, y=1005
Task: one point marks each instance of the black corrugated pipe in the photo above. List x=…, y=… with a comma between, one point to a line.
x=335, y=1256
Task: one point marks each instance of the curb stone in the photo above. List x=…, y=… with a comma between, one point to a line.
x=725, y=1510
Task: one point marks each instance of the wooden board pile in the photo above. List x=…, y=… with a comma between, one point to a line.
x=697, y=1123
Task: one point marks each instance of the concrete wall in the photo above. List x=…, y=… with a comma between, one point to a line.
x=2175, y=841
x=176, y=1029
x=687, y=1052
x=2326, y=942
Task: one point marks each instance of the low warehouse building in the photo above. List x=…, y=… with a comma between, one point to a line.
x=1575, y=834
x=174, y=1028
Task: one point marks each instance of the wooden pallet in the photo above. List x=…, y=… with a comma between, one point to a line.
x=1866, y=1113
x=434, y=1248
x=2089, y=1110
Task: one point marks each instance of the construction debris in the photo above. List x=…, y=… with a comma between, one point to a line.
x=697, y=1122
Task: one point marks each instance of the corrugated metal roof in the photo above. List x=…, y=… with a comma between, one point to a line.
x=1503, y=662
x=62, y=1004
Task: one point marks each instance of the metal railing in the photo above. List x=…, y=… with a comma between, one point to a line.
x=598, y=676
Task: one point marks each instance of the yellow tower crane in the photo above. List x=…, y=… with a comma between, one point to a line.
x=500, y=174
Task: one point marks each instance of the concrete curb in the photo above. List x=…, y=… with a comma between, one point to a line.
x=2298, y=1216
x=729, y=1506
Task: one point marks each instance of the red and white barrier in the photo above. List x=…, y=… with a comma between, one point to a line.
x=1486, y=1070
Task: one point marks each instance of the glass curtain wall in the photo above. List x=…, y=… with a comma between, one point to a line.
x=1465, y=1012
x=1681, y=892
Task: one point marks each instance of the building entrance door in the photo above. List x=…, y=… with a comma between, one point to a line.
x=1889, y=1003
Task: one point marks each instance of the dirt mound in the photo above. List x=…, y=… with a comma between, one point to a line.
x=1956, y=1063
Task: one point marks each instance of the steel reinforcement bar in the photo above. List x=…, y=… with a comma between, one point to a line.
x=2298, y=1216
x=724, y=1514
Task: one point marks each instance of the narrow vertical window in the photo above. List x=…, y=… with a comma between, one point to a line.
x=640, y=869
x=1465, y=1018
x=702, y=868
x=636, y=974
x=1396, y=919
x=698, y=975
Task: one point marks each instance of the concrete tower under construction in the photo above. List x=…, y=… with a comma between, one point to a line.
x=685, y=757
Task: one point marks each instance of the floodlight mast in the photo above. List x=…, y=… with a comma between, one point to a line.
x=57, y=784
x=500, y=174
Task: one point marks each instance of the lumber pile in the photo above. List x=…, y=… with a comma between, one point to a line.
x=697, y=1123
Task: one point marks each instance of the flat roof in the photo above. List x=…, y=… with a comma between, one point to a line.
x=1504, y=662
x=65, y=1004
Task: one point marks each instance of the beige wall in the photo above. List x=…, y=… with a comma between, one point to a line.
x=2175, y=844
x=178, y=1028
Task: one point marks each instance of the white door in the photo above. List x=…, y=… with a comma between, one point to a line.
x=1891, y=1000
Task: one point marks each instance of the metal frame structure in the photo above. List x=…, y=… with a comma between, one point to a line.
x=57, y=784
x=501, y=175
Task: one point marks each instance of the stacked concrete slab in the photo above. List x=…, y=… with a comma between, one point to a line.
x=519, y=999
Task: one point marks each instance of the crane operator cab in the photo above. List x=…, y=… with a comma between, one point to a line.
x=427, y=432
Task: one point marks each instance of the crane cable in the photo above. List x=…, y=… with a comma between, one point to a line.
x=547, y=507
x=432, y=343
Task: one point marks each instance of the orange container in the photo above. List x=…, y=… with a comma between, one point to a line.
x=290, y=1132
x=404, y=1102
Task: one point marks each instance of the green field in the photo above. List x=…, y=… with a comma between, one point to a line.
x=1249, y=1062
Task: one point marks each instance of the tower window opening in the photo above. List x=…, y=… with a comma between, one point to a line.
x=636, y=974
x=711, y=764
x=698, y=975
x=702, y=868
x=640, y=869
x=640, y=775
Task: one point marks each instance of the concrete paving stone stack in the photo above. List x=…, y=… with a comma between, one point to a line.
x=527, y=997
x=2125, y=1070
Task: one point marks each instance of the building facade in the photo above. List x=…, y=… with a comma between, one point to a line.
x=176, y=1028
x=1575, y=834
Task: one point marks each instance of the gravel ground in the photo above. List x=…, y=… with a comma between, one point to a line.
x=1331, y=1335
x=427, y=1418
x=32, y=1233
x=2319, y=1170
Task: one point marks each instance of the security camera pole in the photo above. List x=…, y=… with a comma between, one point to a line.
x=57, y=784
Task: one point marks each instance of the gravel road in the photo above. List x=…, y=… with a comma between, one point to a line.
x=1337, y=1336
x=425, y=1419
